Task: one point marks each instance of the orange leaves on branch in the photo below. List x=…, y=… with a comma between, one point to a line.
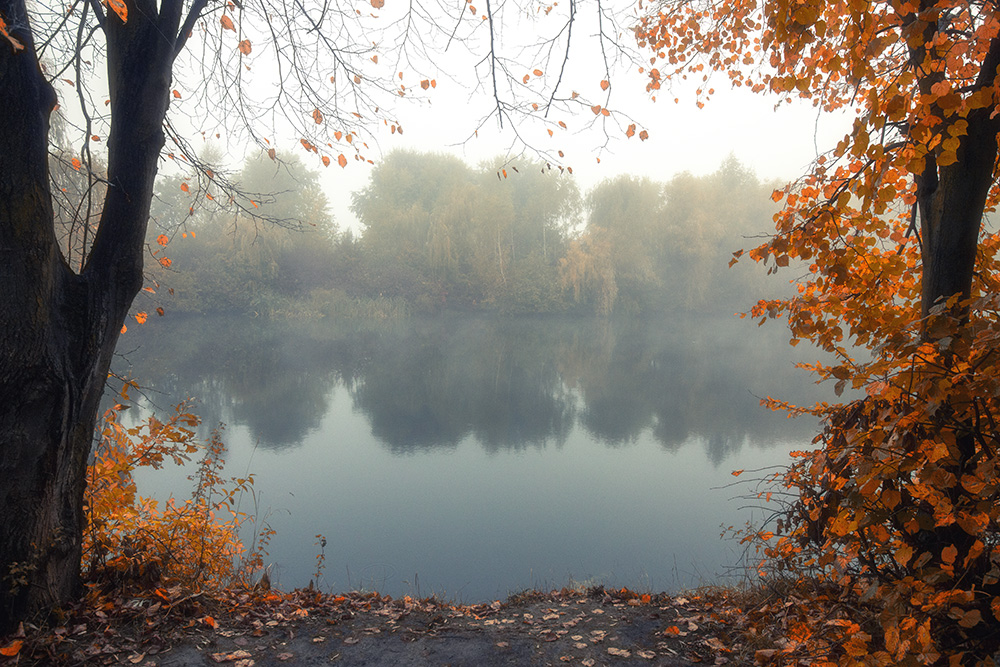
x=134, y=540
x=15, y=43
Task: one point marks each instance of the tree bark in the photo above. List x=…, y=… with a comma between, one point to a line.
x=951, y=200
x=60, y=328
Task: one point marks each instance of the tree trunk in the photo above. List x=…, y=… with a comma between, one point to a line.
x=952, y=199
x=60, y=328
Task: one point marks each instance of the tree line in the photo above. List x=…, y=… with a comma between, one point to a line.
x=438, y=234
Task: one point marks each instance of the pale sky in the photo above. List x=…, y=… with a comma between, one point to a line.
x=776, y=143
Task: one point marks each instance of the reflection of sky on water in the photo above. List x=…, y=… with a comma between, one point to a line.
x=475, y=459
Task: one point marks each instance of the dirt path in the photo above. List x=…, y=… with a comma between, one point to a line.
x=596, y=627
x=553, y=629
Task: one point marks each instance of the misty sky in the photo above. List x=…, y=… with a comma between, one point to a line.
x=776, y=143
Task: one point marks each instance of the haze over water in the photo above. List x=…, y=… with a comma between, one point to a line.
x=474, y=457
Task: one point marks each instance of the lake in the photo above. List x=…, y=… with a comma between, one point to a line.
x=474, y=457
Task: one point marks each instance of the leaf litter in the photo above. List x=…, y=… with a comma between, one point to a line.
x=254, y=628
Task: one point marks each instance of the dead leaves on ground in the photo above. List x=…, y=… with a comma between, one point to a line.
x=569, y=626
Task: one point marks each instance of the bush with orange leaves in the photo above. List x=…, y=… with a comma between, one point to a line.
x=134, y=543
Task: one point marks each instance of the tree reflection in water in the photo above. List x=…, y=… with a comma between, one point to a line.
x=509, y=384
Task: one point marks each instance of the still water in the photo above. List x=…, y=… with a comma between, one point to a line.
x=477, y=457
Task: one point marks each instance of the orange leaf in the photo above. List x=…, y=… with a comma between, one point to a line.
x=342, y=161
x=141, y=317
x=17, y=46
x=425, y=84
x=76, y=164
x=227, y=23
x=605, y=84
x=162, y=239
x=317, y=116
x=165, y=262
x=630, y=132
x=244, y=47
x=185, y=187
x=210, y=622
x=596, y=109
x=737, y=473
x=643, y=135
x=159, y=311
x=378, y=4
x=326, y=161
x=13, y=648
x=119, y=8
x=537, y=72
x=672, y=630
x=176, y=93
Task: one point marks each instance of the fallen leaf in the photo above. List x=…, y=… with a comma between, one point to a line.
x=620, y=652
x=648, y=655
x=282, y=657
x=12, y=648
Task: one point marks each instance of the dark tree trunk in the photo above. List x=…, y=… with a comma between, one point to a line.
x=952, y=200
x=59, y=329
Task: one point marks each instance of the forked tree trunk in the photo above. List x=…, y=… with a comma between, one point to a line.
x=59, y=329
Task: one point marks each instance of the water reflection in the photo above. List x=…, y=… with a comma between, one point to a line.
x=509, y=384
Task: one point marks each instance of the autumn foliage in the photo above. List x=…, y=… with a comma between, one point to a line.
x=894, y=519
x=137, y=543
